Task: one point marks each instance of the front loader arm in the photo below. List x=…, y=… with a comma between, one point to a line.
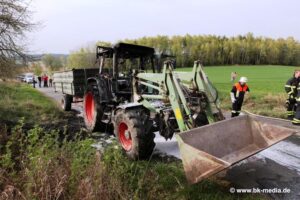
x=169, y=91
x=198, y=81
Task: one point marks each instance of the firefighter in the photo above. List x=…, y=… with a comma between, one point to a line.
x=237, y=96
x=291, y=90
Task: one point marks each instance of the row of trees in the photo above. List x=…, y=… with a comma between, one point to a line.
x=48, y=63
x=85, y=56
x=53, y=63
x=210, y=49
x=221, y=50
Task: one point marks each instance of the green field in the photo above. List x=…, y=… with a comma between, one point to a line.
x=266, y=82
x=262, y=79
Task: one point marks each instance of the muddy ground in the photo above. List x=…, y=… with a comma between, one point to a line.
x=276, y=167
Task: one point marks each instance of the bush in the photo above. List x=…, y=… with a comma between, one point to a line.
x=41, y=165
x=37, y=164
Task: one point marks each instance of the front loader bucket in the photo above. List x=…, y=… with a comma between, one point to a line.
x=209, y=149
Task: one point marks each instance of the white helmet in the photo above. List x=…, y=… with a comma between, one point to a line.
x=243, y=79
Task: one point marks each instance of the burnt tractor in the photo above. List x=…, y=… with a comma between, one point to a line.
x=135, y=97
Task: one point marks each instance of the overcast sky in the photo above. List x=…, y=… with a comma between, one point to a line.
x=70, y=24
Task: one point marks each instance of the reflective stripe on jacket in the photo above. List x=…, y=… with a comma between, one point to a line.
x=239, y=91
x=291, y=86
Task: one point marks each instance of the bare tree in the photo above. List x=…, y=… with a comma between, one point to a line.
x=14, y=23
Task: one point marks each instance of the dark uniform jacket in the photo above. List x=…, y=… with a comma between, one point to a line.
x=291, y=87
x=239, y=91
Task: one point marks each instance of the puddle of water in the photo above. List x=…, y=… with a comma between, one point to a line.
x=169, y=147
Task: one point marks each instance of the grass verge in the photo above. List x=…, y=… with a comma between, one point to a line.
x=22, y=101
x=39, y=163
x=36, y=165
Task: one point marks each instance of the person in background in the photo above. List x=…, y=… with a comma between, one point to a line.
x=50, y=81
x=237, y=96
x=233, y=77
x=40, y=81
x=33, y=81
x=45, y=80
x=291, y=89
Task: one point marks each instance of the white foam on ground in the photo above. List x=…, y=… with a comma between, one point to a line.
x=284, y=153
x=169, y=147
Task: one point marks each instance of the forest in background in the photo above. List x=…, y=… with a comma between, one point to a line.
x=221, y=50
x=210, y=49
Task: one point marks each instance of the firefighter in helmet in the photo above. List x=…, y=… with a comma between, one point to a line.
x=237, y=96
x=291, y=90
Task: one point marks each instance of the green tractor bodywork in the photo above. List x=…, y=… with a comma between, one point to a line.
x=170, y=86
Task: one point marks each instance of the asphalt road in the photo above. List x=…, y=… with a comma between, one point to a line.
x=277, y=167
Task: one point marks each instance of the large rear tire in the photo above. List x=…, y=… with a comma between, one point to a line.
x=134, y=132
x=92, y=113
x=66, y=102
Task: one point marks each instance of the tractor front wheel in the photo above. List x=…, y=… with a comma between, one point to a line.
x=134, y=132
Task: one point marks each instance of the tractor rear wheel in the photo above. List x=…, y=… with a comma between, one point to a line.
x=66, y=102
x=92, y=113
x=134, y=132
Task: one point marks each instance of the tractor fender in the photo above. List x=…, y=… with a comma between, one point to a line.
x=101, y=91
x=128, y=106
x=92, y=80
